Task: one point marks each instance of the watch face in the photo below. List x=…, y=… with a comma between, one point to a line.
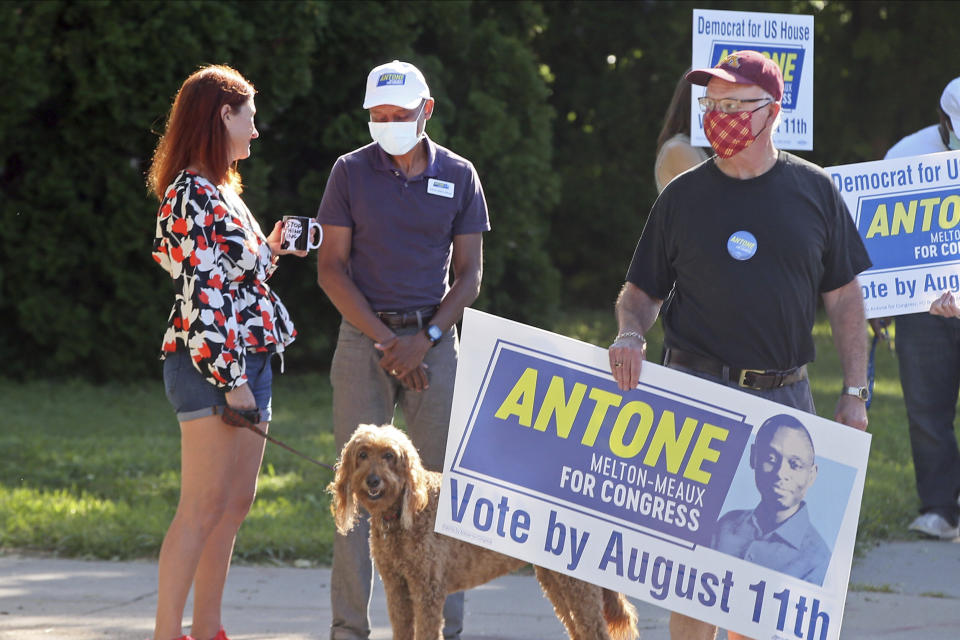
x=860, y=392
x=434, y=333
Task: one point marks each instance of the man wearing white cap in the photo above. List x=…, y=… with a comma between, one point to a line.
x=928, y=355
x=396, y=215
x=745, y=244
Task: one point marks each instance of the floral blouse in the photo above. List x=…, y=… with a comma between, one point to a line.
x=219, y=260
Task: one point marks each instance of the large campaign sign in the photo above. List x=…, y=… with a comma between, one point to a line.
x=786, y=39
x=907, y=211
x=684, y=493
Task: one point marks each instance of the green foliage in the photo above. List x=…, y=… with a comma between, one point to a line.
x=558, y=104
x=74, y=146
x=89, y=86
x=609, y=115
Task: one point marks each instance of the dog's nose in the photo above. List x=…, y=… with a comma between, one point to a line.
x=373, y=481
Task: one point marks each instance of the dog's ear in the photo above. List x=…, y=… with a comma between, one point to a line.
x=415, y=493
x=342, y=506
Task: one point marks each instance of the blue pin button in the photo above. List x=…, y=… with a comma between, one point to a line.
x=741, y=245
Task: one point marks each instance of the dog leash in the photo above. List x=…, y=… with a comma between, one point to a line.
x=236, y=419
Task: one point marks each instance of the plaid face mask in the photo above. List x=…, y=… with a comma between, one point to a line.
x=728, y=133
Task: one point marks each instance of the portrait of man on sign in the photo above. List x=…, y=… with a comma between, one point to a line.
x=778, y=533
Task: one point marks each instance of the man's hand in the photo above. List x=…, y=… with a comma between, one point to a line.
x=851, y=411
x=627, y=354
x=403, y=355
x=417, y=379
x=945, y=306
x=844, y=307
x=636, y=312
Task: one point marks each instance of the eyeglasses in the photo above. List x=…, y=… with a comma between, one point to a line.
x=729, y=105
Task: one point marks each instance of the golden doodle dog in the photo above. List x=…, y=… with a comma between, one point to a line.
x=380, y=470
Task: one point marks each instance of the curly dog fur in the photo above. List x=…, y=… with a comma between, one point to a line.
x=380, y=470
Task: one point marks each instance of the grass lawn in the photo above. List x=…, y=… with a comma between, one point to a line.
x=93, y=471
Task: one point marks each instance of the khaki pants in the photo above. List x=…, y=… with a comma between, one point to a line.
x=363, y=393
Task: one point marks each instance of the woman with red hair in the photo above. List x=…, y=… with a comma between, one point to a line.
x=225, y=325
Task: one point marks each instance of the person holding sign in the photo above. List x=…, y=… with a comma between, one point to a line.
x=778, y=533
x=395, y=215
x=746, y=243
x=928, y=356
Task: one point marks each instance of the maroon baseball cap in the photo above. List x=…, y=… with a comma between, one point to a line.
x=744, y=67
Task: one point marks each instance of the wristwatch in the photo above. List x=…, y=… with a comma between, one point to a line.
x=434, y=334
x=860, y=392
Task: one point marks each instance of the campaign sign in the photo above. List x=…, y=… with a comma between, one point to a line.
x=907, y=211
x=786, y=39
x=683, y=493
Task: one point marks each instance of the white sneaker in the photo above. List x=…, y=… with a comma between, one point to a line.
x=934, y=525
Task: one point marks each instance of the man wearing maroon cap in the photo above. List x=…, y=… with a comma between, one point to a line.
x=744, y=244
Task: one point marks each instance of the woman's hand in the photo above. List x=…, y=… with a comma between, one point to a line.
x=241, y=398
x=275, y=241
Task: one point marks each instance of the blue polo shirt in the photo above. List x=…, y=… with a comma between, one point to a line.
x=794, y=547
x=402, y=230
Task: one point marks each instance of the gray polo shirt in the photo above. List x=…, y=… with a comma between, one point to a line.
x=403, y=229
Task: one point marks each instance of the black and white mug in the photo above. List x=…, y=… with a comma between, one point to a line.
x=301, y=233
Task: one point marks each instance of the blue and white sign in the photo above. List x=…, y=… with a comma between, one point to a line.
x=785, y=38
x=907, y=211
x=651, y=492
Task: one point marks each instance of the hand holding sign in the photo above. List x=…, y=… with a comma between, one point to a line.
x=627, y=354
x=946, y=306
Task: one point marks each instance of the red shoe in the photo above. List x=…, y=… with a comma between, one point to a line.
x=221, y=635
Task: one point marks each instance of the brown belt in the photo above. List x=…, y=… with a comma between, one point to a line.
x=400, y=319
x=747, y=378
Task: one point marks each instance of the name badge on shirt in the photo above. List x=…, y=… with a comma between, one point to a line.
x=440, y=187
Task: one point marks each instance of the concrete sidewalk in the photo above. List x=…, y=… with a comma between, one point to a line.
x=900, y=591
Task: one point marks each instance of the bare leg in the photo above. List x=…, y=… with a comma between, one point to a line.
x=207, y=454
x=211, y=574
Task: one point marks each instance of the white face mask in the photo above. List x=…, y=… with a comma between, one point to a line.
x=954, y=142
x=397, y=138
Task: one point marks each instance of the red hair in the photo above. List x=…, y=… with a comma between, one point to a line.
x=195, y=133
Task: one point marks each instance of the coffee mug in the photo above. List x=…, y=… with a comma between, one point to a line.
x=294, y=236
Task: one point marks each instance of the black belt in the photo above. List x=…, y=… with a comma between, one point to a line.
x=748, y=378
x=400, y=319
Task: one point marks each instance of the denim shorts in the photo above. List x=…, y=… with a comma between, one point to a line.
x=193, y=397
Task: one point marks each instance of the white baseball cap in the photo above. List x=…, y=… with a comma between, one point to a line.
x=395, y=83
x=950, y=103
